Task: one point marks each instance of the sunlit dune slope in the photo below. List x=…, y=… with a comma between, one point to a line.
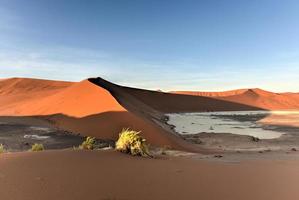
x=22, y=85
x=79, y=100
x=15, y=93
x=82, y=107
x=42, y=97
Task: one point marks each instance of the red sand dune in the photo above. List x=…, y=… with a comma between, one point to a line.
x=99, y=108
x=81, y=107
x=16, y=92
x=254, y=97
x=41, y=97
x=170, y=103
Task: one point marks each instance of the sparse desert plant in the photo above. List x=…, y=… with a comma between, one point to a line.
x=131, y=142
x=37, y=147
x=88, y=144
x=2, y=149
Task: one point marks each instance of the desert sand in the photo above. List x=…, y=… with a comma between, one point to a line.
x=96, y=107
x=75, y=175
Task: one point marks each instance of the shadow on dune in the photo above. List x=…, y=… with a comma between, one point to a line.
x=152, y=105
x=107, y=126
x=131, y=98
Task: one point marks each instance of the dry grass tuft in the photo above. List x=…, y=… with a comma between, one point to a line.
x=131, y=142
x=2, y=149
x=88, y=144
x=37, y=147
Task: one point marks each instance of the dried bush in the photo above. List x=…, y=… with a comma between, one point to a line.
x=37, y=147
x=88, y=144
x=131, y=142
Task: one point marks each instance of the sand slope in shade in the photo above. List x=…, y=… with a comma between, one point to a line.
x=76, y=175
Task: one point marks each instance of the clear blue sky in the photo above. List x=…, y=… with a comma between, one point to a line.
x=167, y=44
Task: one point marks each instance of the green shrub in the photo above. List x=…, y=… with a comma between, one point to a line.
x=131, y=142
x=88, y=144
x=37, y=147
x=2, y=149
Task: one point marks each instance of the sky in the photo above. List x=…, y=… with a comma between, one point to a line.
x=207, y=45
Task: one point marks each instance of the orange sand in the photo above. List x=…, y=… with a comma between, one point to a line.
x=77, y=175
x=99, y=108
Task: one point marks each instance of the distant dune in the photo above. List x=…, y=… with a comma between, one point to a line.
x=253, y=97
x=211, y=94
x=99, y=108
